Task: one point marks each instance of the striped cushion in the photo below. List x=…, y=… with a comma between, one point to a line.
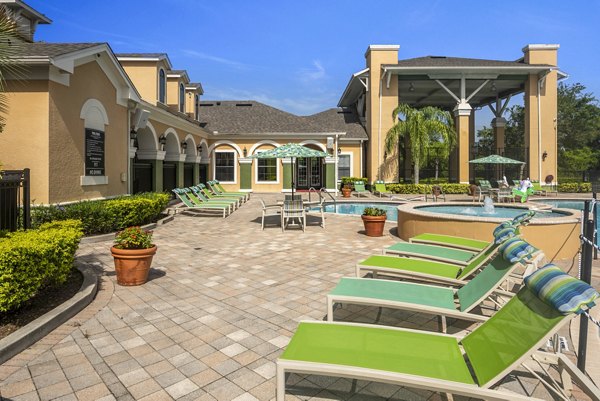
x=523, y=219
x=561, y=291
x=502, y=226
x=516, y=250
x=504, y=234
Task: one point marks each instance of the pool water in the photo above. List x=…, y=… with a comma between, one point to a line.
x=563, y=204
x=358, y=208
x=499, y=211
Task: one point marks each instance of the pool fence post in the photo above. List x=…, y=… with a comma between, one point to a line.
x=585, y=275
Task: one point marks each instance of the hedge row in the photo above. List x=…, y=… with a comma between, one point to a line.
x=105, y=216
x=461, y=189
x=31, y=260
x=351, y=180
x=575, y=187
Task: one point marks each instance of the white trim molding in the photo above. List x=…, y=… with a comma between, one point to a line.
x=235, y=164
x=260, y=143
x=144, y=154
x=89, y=106
x=277, y=173
x=316, y=143
x=225, y=142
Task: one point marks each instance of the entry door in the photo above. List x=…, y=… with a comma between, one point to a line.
x=142, y=177
x=309, y=172
x=169, y=176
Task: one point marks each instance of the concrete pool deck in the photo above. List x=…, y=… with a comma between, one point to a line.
x=222, y=302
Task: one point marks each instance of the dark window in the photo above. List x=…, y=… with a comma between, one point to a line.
x=181, y=98
x=224, y=166
x=197, y=107
x=343, y=166
x=266, y=170
x=162, y=86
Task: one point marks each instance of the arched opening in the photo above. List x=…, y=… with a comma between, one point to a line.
x=144, y=161
x=172, y=157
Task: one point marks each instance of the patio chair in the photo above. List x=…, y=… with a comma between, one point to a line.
x=269, y=210
x=468, y=366
x=293, y=210
x=242, y=197
x=408, y=198
x=217, y=188
x=538, y=189
x=182, y=195
x=469, y=244
x=435, y=193
x=455, y=302
x=505, y=195
x=380, y=189
x=359, y=189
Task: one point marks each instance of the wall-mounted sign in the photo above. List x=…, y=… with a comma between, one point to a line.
x=94, y=152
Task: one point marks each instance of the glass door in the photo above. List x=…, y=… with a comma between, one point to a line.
x=309, y=172
x=302, y=172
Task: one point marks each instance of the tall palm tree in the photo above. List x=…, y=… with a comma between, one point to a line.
x=10, y=48
x=424, y=128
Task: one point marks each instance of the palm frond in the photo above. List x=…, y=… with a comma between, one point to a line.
x=10, y=49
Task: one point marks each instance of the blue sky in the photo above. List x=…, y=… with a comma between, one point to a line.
x=298, y=56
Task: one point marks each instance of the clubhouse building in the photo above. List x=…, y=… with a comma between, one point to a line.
x=90, y=123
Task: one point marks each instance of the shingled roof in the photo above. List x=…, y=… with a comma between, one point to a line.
x=248, y=117
x=42, y=49
x=443, y=61
x=341, y=119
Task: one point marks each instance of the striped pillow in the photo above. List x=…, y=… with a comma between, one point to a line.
x=561, y=291
x=516, y=250
x=523, y=219
x=504, y=234
x=502, y=226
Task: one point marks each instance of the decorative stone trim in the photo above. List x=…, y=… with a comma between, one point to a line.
x=93, y=180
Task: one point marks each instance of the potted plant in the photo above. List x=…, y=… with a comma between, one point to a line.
x=133, y=252
x=374, y=221
x=346, y=187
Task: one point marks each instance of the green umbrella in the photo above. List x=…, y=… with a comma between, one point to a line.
x=496, y=159
x=291, y=150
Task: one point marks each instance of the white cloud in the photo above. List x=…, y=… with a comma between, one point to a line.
x=316, y=73
x=215, y=59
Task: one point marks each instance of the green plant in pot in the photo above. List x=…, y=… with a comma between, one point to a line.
x=133, y=252
x=374, y=220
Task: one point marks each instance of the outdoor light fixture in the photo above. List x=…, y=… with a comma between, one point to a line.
x=411, y=87
x=544, y=155
x=245, y=151
x=339, y=151
x=184, y=145
x=199, y=147
x=132, y=134
x=163, y=141
x=494, y=87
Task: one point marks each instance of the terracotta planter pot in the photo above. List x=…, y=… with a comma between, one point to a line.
x=132, y=265
x=346, y=192
x=374, y=225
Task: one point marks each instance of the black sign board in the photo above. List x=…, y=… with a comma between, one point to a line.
x=94, y=152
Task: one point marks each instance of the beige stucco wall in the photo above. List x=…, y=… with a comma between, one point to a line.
x=144, y=75
x=173, y=92
x=389, y=101
x=549, y=110
x=67, y=136
x=24, y=142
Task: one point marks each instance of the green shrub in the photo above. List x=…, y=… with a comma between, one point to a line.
x=374, y=211
x=426, y=188
x=31, y=260
x=575, y=187
x=350, y=180
x=133, y=238
x=104, y=216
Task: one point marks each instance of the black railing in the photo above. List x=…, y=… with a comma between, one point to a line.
x=15, y=212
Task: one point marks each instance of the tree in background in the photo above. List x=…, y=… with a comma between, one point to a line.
x=425, y=129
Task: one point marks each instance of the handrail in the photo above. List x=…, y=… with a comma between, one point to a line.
x=328, y=193
x=310, y=190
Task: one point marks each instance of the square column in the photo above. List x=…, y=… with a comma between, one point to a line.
x=541, y=108
x=499, y=128
x=462, y=113
x=329, y=174
x=245, y=174
x=287, y=174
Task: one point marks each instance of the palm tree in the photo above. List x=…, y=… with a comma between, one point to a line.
x=424, y=128
x=10, y=48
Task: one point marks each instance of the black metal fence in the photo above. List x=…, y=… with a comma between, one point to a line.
x=565, y=175
x=15, y=212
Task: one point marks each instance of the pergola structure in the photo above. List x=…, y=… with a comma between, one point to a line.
x=460, y=85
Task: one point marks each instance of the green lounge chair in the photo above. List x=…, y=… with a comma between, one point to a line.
x=443, y=301
x=209, y=195
x=425, y=270
x=468, y=366
x=459, y=257
x=468, y=244
x=450, y=241
x=538, y=189
x=211, y=189
x=199, y=199
x=190, y=205
x=217, y=188
x=380, y=189
x=359, y=189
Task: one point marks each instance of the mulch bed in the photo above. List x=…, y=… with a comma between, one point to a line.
x=43, y=302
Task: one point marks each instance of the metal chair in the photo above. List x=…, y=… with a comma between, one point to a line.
x=268, y=210
x=293, y=210
x=436, y=193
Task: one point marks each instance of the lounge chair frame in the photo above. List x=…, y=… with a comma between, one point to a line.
x=422, y=255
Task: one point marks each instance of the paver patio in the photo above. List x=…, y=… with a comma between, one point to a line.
x=222, y=302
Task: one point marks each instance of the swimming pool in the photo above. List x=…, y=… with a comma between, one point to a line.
x=562, y=203
x=498, y=211
x=358, y=208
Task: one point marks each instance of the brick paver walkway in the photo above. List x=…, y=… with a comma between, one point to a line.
x=222, y=302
